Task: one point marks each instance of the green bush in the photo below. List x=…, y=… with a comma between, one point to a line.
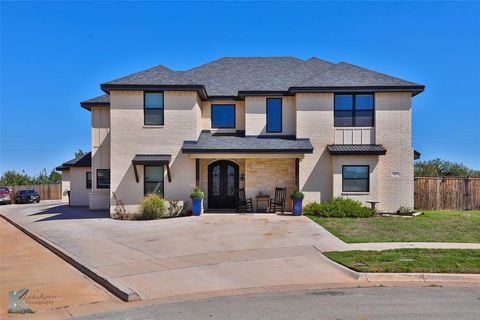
x=339, y=208
x=197, y=193
x=297, y=195
x=152, y=207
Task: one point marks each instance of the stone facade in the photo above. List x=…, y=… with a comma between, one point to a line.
x=263, y=175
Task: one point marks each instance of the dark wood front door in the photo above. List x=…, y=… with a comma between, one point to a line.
x=222, y=184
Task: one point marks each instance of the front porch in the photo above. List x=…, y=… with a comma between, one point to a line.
x=227, y=162
x=257, y=176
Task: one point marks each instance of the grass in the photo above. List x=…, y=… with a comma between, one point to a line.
x=410, y=260
x=433, y=226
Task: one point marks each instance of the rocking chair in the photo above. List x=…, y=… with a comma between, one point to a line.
x=279, y=201
x=244, y=205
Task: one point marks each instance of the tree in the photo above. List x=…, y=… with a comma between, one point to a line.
x=79, y=153
x=12, y=178
x=440, y=168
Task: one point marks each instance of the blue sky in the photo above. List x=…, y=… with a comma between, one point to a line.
x=55, y=54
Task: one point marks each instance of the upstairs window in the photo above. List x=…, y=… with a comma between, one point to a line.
x=88, y=177
x=223, y=116
x=153, y=108
x=355, y=179
x=354, y=110
x=274, y=115
x=103, y=178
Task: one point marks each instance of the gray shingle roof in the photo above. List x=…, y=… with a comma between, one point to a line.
x=80, y=161
x=103, y=100
x=238, y=143
x=348, y=75
x=159, y=75
x=356, y=149
x=229, y=76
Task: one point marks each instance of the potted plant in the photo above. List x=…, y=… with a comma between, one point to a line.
x=197, y=198
x=297, y=197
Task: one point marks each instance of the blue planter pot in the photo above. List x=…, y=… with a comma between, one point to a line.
x=196, y=207
x=297, y=207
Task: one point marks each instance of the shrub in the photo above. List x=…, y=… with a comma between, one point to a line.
x=297, y=195
x=339, y=208
x=197, y=193
x=152, y=207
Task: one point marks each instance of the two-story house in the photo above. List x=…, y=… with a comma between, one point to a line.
x=252, y=123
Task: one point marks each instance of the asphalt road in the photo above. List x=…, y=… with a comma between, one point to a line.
x=359, y=303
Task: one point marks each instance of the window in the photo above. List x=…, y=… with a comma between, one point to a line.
x=274, y=115
x=153, y=108
x=88, y=177
x=103, y=178
x=223, y=116
x=355, y=179
x=354, y=110
x=153, y=182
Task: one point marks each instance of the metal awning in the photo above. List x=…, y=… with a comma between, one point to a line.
x=356, y=149
x=152, y=160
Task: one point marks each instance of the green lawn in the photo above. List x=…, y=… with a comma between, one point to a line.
x=433, y=226
x=410, y=260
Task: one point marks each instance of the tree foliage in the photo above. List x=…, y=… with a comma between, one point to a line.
x=14, y=178
x=79, y=153
x=441, y=168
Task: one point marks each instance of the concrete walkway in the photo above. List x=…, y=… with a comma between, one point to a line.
x=186, y=256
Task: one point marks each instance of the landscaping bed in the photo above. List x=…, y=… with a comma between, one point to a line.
x=432, y=226
x=410, y=260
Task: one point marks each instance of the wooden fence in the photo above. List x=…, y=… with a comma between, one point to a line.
x=447, y=193
x=46, y=191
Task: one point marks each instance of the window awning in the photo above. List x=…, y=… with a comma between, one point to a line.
x=356, y=149
x=152, y=160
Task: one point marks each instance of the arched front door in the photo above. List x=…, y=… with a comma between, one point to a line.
x=222, y=184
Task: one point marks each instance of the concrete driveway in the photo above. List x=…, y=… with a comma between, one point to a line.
x=187, y=256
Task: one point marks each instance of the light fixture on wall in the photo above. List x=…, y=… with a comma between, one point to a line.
x=242, y=177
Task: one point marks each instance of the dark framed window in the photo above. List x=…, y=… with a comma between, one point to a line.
x=223, y=116
x=153, y=182
x=88, y=182
x=354, y=110
x=153, y=111
x=103, y=178
x=274, y=115
x=355, y=178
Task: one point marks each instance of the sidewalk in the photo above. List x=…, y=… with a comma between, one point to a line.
x=26, y=264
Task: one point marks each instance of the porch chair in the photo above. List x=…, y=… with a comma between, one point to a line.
x=244, y=205
x=278, y=201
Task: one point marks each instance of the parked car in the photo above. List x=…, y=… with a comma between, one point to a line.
x=27, y=196
x=5, y=196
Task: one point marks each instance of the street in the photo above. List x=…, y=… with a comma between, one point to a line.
x=421, y=303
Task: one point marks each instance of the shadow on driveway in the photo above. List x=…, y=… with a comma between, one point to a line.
x=64, y=212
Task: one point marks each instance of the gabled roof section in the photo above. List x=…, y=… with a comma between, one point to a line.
x=228, y=76
x=100, y=101
x=156, y=78
x=345, y=75
x=80, y=161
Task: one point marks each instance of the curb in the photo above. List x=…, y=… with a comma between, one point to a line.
x=119, y=290
x=422, y=277
x=347, y=271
